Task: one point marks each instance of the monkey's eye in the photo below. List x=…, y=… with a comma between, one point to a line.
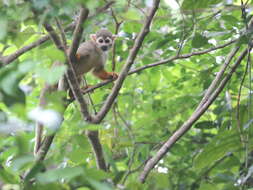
x=101, y=41
x=107, y=41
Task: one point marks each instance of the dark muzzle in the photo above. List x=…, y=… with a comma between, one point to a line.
x=104, y=48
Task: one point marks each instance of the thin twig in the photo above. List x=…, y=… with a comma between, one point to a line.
x=130, y=164
x=63, y=36
x=117, y=26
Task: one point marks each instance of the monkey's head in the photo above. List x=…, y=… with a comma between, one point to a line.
x=103, y=39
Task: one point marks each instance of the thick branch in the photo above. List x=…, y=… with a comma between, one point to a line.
x=188, y=124
x=97, y=149
x=133, y=53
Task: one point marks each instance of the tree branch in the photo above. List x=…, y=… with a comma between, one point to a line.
x=9, y=58
x=97, y=149
x=218, y=77
x=133, y=53
x=54, y=36
x=188, y=124
x=183, y=56
x=78, y=34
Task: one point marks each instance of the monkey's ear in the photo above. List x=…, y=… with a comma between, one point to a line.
x=114, y=36
x=93, y=37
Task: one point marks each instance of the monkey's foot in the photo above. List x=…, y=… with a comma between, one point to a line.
x=113, y=75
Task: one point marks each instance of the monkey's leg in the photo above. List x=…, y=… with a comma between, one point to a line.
x=104, y=75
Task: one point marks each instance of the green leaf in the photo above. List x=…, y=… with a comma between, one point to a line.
x=3, y=26
x=19, y=162
x=7, y=176
x=57, y=174
x=223, y=143
x=205, y=125
x=51, y=75
x=207, y=186
x=132, y=14
x=199, y=41
x=98, y=185
x=132, y=27
x=230, y=19
x=23, y=36
x=194, y=4
x=10, y=91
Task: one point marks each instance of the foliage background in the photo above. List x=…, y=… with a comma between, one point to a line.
x=151, y=106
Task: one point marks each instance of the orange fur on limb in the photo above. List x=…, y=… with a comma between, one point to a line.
x=104, y=75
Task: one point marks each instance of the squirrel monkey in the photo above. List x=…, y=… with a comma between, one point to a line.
x=90, y=56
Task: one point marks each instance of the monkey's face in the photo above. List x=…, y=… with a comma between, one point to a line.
x=104, y=43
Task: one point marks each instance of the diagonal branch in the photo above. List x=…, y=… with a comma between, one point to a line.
x=188, y=124
x=78, y=33
x=124, y=72
x=9, y=58
x=218, y=77
x=54, y=36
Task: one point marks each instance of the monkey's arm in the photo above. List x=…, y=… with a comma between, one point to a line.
x=103, y=74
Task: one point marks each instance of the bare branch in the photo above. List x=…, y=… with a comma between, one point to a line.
x=9, y=58
x=54, y=36
x=188, y=124
x=117, y=26
x=97, y=149
x=218, y=77
x=133, y=53
x=184, y=56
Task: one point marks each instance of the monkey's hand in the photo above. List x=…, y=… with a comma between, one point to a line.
x=113, y=75
x=104, y=75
